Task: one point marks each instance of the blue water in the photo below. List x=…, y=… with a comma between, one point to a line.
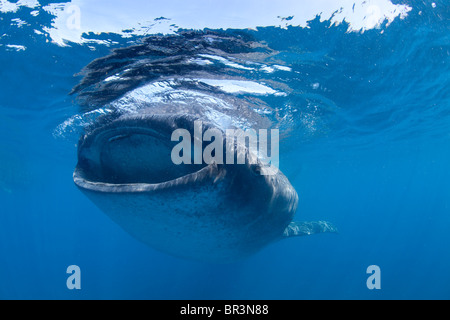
x=368, y=149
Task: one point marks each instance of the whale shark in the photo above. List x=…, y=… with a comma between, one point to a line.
x=210, y=212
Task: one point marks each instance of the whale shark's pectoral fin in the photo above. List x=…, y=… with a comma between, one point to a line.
x=299, y=229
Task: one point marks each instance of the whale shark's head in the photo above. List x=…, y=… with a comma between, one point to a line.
x=206, y=211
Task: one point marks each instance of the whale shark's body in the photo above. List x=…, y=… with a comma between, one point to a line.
x=209, y=212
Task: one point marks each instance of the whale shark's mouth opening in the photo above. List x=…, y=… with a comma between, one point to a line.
x=130, y=154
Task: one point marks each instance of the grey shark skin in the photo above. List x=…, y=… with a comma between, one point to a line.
x=211, y=213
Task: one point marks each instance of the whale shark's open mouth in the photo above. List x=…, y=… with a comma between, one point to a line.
x=130, y=151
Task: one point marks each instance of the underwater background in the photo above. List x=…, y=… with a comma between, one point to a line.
x=360, y=89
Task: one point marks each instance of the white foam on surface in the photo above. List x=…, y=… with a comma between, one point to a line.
x=75, y=19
